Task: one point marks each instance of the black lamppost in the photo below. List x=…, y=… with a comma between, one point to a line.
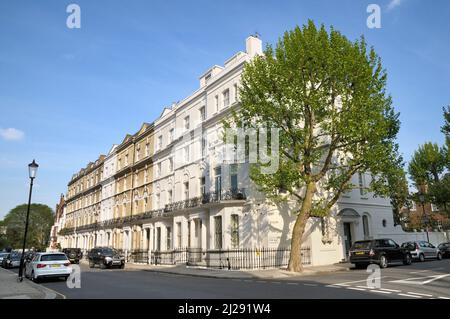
x=32, y=169
x=422, y=201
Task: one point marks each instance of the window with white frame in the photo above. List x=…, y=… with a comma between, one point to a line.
x=147, y=149
x=186, y=154
x=216, y=103
x=171, y=164
x=187, y=123
x=226, y=97
x=169, y=196
x=234, y=231
x=218, y=232
x=362, y=186
x=186, y=190
x=171, y=136
x=204, y=146
x=158, y=200
x=202, y=113
x=202, y=185
x=160, y=142
x=158, y=169
x=169, y=238
x=138, y=153
x=178, y=234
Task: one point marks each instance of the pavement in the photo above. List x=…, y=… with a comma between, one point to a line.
x=10, y=288
x=239, y=274
x=426, y=280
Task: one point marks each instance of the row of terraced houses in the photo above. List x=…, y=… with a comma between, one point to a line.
x=163, y=195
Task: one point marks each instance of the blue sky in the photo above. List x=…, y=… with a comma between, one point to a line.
x=66, y=94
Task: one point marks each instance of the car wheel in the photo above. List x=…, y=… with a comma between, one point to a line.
x=383, y=262
x=33, y=278
x=408, y=260
x=439, y=256
x=422, y=257
x=122, y=266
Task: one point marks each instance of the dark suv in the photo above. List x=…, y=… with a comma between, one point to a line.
x=73, y=254
x=378, y=251
x=106, y=257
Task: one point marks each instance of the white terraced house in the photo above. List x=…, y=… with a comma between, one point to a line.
x=175, y=201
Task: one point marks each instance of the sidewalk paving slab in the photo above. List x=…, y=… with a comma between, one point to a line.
x=239, y=274
x=10, y=288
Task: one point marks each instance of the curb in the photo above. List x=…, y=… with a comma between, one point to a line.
x=204, y=275
x=48, y=293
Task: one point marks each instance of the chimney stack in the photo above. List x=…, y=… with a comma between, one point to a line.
x=253, y=45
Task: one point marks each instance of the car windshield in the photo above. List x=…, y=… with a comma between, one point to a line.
x=53, y=257
x=362, y=245
x=109, y=252
x=15, y=257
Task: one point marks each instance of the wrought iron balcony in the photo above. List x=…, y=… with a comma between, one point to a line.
x=167, y=211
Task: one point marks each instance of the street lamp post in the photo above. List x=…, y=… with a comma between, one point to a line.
x=422, y=201
x=32, y=169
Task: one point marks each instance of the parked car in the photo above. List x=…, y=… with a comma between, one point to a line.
x=105, y=257
x=46, y=265
x=378, y=251
x=74, y=254
x=444, y=248
x=422, y=250
x=3, y=255
x=12, y=260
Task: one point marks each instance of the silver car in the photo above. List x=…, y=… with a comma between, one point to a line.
x=422, y=250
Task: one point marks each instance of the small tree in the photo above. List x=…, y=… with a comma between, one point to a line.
x=40, y=223
x=327, y=96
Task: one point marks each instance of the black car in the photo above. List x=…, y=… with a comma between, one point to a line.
x=12, y=260
x=444, y=248
x=105, y=257
x=378, y=251
x=73, y=254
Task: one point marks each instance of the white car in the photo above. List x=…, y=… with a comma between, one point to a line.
x=46, y=265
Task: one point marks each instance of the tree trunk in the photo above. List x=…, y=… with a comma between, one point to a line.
x=295, y=259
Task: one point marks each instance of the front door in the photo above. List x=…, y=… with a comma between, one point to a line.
x=347, y=238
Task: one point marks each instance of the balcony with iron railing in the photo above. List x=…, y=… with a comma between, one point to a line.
x=167, y=211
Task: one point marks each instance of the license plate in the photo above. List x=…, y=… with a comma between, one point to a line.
x=55, y=266
x=359, y=253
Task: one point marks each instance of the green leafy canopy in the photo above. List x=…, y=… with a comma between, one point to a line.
x=327, y=95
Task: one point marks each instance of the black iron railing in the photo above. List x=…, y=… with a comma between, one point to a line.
x=167, y=211
x=251, y=258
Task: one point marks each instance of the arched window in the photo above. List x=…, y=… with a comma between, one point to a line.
x=365, y=221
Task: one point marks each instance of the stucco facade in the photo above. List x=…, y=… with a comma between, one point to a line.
x=172, y=189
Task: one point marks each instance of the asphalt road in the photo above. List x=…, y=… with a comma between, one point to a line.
x=430, y=279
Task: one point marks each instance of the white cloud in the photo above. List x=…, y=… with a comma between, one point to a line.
x=11, y=134
x=394, y=3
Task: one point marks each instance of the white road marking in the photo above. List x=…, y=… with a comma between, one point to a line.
x=292, y=283
x=412, y=282
x=443, y=297
x=356, y=281
x=333, y=286
x=412, y=296
x=420, y=294
x=390, y=290
x=365, y=287
x=312, y=285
